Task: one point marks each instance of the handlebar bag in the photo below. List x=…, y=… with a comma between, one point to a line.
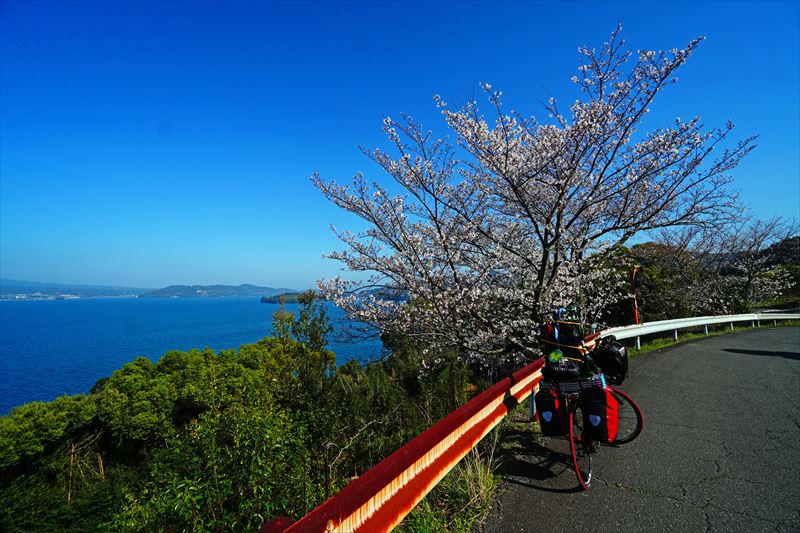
x=600, y=414
x=561, y=370
x=551, y=413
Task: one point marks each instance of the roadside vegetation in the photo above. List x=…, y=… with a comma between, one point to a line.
x=211, y=441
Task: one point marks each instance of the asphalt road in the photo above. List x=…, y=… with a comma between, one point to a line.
x=720, y=450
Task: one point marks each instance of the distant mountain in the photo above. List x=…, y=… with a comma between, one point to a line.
x=36, y=290
x=212, y=291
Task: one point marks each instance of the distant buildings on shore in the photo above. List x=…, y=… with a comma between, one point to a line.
x=42, y=296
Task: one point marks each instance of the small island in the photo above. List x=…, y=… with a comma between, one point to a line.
x=285, y=297
x=213, y=291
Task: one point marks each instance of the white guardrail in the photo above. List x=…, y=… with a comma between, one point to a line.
x=648, y=328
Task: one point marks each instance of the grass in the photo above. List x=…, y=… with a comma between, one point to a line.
x=462, y=500
x=724, y=329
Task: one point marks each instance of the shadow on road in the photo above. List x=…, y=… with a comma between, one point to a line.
x=532, y=465
x=767, y=353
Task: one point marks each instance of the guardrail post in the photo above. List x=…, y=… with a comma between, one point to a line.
x=731, y=326
x=758, y=322
x=775, y=323
x=706, y=328
x=675, y=334
x=638, y=343
x=752, y=323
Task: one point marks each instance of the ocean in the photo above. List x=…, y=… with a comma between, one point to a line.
x=55, y=347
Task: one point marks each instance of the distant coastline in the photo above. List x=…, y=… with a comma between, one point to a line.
x=16, y=290
x=39, y=297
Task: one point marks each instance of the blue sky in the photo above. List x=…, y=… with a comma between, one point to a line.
x=146, y=144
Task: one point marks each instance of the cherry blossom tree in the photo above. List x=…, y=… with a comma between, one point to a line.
x=728, y=269
x=520, y=215
x=752, y=274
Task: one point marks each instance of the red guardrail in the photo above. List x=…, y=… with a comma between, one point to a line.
x=379, y=499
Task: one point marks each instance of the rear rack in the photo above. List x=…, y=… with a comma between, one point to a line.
x=573, y=386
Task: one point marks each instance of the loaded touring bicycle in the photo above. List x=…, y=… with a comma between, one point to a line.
x=577, y=399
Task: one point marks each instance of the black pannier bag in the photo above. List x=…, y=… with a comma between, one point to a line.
x=569, y=336
x=612, y=358
x=550, y=411
x=600, y=414
x=569, y=333
x=562, y=370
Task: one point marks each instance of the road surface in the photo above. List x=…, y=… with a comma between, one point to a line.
x=720, y=450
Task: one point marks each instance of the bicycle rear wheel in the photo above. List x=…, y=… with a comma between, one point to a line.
x=629, y=419
x=580, y=449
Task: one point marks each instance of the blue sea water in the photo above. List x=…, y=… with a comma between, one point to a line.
x=50, y=348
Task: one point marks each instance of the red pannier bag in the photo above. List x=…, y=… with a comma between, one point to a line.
x=548, y=332
x=550, y=411
x=600, y=414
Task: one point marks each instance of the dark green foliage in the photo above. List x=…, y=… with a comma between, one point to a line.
x=212, y=441
x=664, y=292
x=36, y=426
x=311, y=325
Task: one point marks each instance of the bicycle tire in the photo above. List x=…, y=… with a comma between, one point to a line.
x=581, y=450
x=630, y=421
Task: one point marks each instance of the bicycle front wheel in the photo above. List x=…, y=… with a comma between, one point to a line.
x=629, y=418
x=581, y=450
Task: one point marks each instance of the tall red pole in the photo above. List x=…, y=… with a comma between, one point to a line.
x=634, y=270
